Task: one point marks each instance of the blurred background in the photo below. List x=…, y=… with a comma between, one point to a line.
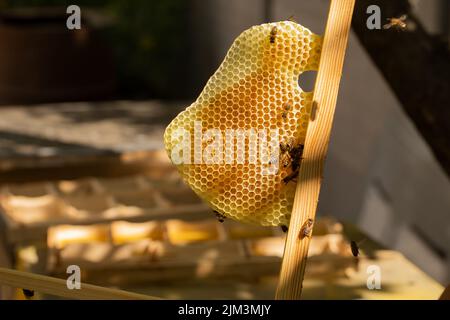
x=82, y=114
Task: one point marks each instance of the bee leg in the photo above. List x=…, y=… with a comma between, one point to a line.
x=291, y=177
x=220, y=217
x=28, y=293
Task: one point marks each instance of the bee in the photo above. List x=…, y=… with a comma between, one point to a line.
x=273, y=34
x=28, y=293
x=355, y=247
x=286, y=163
x=284, y=147
x=287, y=147
x=286, y=108
x=284, y=228
x=273, y=159
x=398, y=23
x=295, y=156
x=220, y=217
x=306, y=229
x=292, y=18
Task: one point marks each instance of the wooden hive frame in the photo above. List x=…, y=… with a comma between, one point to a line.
x=316, y=145
x=163, y=209
x=58, y=287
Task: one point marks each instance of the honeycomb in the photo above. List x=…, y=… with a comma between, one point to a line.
x=255, y=88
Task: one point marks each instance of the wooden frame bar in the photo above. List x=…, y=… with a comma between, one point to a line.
x=58, y=287
x=316, y=145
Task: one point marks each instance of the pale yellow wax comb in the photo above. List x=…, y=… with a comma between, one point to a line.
x=255, y=88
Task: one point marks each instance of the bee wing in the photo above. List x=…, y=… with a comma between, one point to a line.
x=291, y=18
x=273, y=159
x=403, y=17
x=292, y=142
x=387, y=26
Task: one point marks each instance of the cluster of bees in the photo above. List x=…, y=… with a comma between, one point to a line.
x=291, y=152
x=291, y=155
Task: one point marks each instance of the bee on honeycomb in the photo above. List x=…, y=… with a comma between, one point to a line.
x=255, y=84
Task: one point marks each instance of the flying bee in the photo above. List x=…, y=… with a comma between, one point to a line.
x=220, y=217
x=28, y=293
x=273, y=34
x=306, y=229
x=398, y=23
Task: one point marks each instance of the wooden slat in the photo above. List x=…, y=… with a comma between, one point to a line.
x=58, y=287
x=36, y=231
x=316, y=145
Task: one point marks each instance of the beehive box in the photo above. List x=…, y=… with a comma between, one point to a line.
x=123, y=253
x=142, y=228
x=30, y=209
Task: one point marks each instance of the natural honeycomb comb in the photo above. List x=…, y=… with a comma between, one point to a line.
x=256, y=87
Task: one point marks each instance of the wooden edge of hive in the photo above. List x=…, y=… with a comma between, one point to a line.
x=59, y=287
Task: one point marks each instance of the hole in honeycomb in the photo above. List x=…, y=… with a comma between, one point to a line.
x=307, y=80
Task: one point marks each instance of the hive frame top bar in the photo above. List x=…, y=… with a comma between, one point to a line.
x=316, y=145
x=58, y=287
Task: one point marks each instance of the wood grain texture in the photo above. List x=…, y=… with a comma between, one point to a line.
x=316, y=145
x=58, y=287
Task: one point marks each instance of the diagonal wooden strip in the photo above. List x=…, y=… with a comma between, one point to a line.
x=58, y=287
x=316, y=145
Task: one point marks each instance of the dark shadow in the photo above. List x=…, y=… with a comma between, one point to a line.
x=16, y=145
